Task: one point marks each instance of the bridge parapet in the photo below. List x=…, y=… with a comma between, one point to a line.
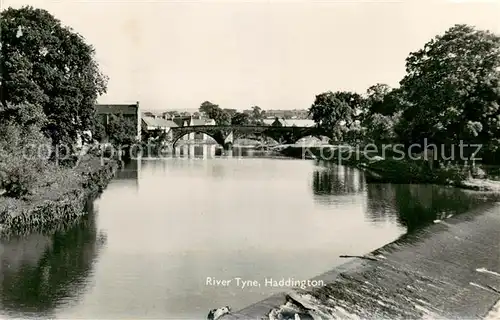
x=288, y=135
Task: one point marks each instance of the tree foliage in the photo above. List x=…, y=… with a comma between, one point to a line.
x=121, y=130
x=240, y=119
x=333, y=111
x=380, y=129
x=24, y=149
x=450, y=93
x=230, y=112
x=258, y=115
x=381, y=113
x=25, y=115
x=232, y=116
x=49, y=65
x=382, y=99
x=452, y=87
x=208, y=108
x=213, y=111
x=99, y=130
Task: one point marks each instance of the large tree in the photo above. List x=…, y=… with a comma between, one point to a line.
x=213, y=111
x=47, y=64
x=335, y=111
x=120, y=130
x=383, y=99
x=208, y=108
x=452, y=86
x=240, y=119
x=257, y=116
x=230, y=112
x=221, y=117
x=380, y=113
x=23, y=149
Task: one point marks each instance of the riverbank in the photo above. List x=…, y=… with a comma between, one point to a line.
x=448, y=270
x=60, y=200
x=390, y=170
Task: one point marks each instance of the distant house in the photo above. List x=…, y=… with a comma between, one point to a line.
x=185, y=121
x=289, y=122
x=181, y=121
x=279, y=123
x=153, y=124
x=202, y=122
x=130, y=111
x=170, y=115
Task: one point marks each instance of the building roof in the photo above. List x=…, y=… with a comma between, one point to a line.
x=180, y=121
x=116, y=108
x=159, y=122
x=200, y=122
x=197, y=122
x=292, y=122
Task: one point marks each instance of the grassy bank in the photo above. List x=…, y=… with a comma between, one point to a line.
x=60, y=197
x=394, y=170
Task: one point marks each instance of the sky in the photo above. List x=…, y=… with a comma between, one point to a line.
x=274, y=54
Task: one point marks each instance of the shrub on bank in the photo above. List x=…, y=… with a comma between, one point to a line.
x=387, y=170
x=452, y=174
x=38, y=191
x=339, y=154
x=23, y=161
x=63, y=200
x=26, y=170
x=19, y=177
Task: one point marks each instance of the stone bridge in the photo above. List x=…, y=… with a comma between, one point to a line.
x=225, y=135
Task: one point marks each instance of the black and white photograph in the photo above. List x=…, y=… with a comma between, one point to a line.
x=249, y=159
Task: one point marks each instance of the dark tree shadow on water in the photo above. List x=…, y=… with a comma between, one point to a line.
x=416, y=206
x=40, y=271
x=337, y=180
x=381, y=202
x=129, y=171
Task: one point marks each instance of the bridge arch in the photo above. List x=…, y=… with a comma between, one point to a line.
x=252, y=136
x=286, y=135
x=318, y=136
x=184, y=133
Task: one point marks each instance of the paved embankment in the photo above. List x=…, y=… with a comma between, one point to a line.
x=449, y=270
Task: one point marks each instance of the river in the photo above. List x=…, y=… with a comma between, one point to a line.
x=163, y=226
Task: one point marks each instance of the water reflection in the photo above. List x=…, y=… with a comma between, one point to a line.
x=337, y=180
x=196, y=150
x=190, y=219
x=210, y=151
x=380, y=202
x=419, y=205
x=130, y=171
x=39, y=272
x=414, y=206
x=127, y=176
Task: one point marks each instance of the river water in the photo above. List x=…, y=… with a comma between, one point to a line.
x=163, y=226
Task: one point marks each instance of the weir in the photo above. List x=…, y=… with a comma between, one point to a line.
x=447, y=270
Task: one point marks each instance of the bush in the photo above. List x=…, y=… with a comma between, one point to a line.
x=61, y=203
x=19, y=176
x=452, y=174
x=21, y=161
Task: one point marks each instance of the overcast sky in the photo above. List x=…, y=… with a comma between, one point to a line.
x=275, y=54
